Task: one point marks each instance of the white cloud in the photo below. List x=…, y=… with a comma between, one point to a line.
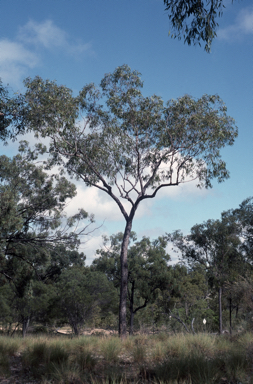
x=15, y=59
x=26, y=50
x=242, y=26
x=13, y=52
x=96, y=202
x=48, y=35
x=89, y=248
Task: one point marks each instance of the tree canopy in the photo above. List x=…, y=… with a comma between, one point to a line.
x=128, y=145
x=215, y=245
x=32, y=216
x=12, y=113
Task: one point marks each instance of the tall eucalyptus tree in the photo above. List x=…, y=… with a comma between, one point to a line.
x=129, y=145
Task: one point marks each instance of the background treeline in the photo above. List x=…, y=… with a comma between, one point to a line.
x=45, y=282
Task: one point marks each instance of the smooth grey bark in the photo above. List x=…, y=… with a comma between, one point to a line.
x=179, y=320
x=124, y=280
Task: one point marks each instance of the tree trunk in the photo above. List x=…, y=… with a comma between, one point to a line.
x=75, y=329
x=230, y=316
x=123, y=283
x=131, y=331
x=220, y=310
x=25, y=325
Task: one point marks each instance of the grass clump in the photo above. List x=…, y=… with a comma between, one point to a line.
x=158, y=352
x=139, y=354
x=67, y=373
x=86, y=361
x=42, y=357
x=4, y=365
x=190, y=369
x=8, y=348
x=110, y=349
x=201, y=344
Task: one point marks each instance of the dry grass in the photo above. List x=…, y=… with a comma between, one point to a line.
x=184, y=359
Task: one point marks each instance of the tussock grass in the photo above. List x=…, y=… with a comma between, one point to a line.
x=184, y=359
x=201, y=344
x=8, y=348
x=158, y=352
x=139, y=354
x=9, y=345
x=110, y=349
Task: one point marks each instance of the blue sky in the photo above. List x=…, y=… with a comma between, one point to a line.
x=77, y=41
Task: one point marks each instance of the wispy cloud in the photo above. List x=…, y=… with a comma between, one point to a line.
x=243, y=26
x=27, y=49
x=15, y=59
x=49, y=36
x=46, y=34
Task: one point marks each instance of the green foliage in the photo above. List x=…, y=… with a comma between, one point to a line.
x=195, y=20
x=130, y=135
x=32, y=209
x=61, y=258
x=80, y=293
x=12, y=114
x=214, y=244
x=244, y=218
x=186, y=299
x=148, y=272
x=37, y=240
x=6, y=310
x=217, y=246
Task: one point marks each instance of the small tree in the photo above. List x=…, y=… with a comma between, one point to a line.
x=244, y=218
x=130, y=146
x=80, y=293
x=215, y=245
x=34, y=228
